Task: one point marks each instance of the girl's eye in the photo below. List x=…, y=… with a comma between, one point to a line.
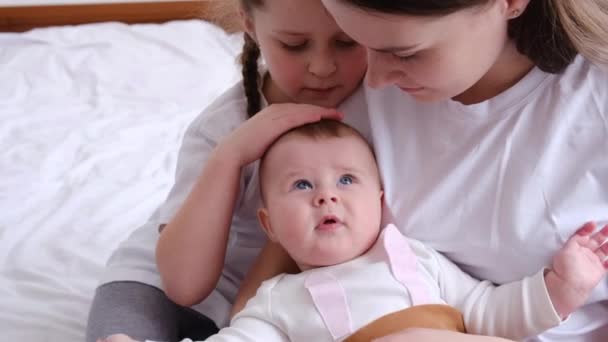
x=406, y=58
x=346, y=180
x=302, y=185
x=294, y=47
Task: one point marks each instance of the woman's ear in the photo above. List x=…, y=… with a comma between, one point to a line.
x=264, y=220
x=514, y=8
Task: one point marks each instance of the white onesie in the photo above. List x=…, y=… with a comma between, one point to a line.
x=330, y=303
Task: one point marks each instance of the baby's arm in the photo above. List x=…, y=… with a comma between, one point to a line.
x=273, y=260
x=534, y=304
x=515, y=310
x=192, y=247
x=577, y=269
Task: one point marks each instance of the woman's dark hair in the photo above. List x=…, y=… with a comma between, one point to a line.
x=549, y=32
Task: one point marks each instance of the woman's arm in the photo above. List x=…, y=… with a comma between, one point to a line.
x=432, y=335
x=273, y=260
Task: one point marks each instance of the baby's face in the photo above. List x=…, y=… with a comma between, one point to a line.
x=323, y=198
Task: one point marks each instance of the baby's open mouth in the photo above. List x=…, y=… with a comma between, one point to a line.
x=329, y=222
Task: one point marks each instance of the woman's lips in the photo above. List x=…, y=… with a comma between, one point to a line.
x=411, y=90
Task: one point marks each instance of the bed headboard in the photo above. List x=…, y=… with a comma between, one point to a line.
x=22, y=18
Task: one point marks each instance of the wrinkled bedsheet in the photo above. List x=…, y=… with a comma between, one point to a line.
x=91, y=120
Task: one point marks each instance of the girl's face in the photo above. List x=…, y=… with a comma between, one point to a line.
x=431, y=58
x=309, y=58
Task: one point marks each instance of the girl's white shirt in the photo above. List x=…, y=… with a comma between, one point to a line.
x=134, y=260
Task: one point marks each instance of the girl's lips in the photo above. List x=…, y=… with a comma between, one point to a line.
x=411, y=90
x=320, y=91
x=321, y=88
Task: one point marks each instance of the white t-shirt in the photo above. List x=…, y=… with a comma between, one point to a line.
x=499, y=186
x=330, y=303
x=134, y=260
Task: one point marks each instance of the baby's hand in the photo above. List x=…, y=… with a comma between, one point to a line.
x=117, y=338
x=577, y=268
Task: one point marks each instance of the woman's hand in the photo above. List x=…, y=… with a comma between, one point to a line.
x=577, y=268
x=434, y=335
x=250, y=140
x=117, y=338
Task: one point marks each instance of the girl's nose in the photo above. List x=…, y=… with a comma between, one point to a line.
x=322, y=64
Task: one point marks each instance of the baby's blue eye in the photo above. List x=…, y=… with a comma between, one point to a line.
x=302, y=185
x=346, y=180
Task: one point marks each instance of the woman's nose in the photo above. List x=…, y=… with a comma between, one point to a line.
x=380, y=72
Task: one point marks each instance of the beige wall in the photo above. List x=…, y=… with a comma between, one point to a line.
x=63, y=2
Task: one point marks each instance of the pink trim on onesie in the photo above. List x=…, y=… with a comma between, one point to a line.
x=329, y=298
x=404, y=266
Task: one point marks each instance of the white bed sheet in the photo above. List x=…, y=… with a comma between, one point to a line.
x=91, y=118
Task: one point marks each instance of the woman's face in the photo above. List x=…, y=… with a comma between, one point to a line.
x=431, y=58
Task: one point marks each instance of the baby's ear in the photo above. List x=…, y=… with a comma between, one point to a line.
x=264, y=220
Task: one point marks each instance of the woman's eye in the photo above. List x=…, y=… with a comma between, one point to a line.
x=302, y=185
x=346, y=43
x=294, y=46
x=346, y=180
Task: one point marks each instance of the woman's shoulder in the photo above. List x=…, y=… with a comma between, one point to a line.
x=584, y=77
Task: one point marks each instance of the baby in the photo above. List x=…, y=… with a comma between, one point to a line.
x=322, y=198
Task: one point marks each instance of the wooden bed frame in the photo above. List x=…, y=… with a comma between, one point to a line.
x=23, y=18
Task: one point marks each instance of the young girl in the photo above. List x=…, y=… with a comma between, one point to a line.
x=201, y=256
x=492, y=141
x=322, y=202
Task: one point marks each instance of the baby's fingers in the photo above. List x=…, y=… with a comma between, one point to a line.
x=586, y=229
x=598, y=238
x=602, y=252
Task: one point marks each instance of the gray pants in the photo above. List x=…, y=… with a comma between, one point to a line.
x=143, y=312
